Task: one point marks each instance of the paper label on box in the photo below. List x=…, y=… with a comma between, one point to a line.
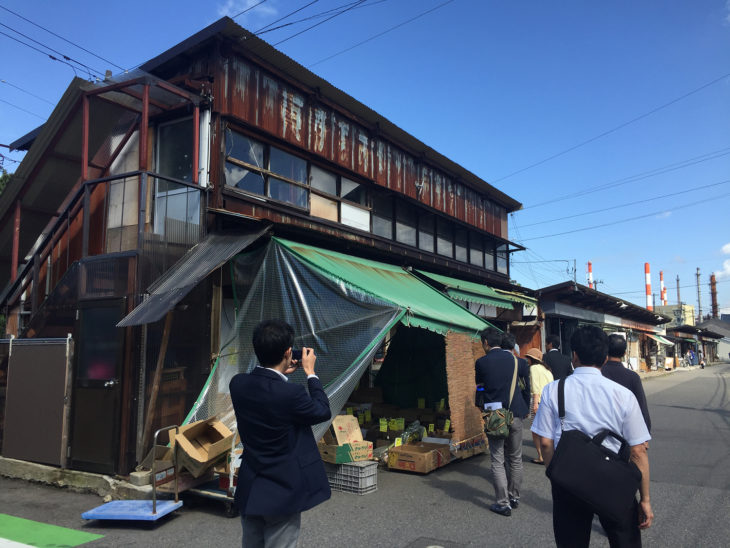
x=360, y=419
x=368, y=415
x=422, y=403
x=349, y=410
x=431, y=427
x=398, y=442
x=383, y=425
x=401, y=423
x=393, y=424
x=441, y=404
x=447, y=425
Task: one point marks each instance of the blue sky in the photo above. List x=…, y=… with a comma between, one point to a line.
x=619, y=102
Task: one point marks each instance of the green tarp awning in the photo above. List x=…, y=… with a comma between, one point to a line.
x=517, y=297
x=660, y=339
x=425, y=306
x=469, y=291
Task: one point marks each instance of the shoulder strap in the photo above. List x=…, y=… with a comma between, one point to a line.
x=514, y=382
x=561, y=402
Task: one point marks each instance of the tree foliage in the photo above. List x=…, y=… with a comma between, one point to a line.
x=4, y=179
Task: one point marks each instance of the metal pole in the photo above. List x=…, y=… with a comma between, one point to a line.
x=679, y=300
x=699, y=297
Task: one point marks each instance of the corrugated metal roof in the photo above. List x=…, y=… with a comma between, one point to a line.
x=469, y=291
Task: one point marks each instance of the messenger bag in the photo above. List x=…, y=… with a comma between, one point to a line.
x=498, y=421
x=604, y=480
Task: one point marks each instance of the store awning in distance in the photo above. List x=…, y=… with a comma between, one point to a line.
x=661, y=340
x=470, y=291
x=425, y=306
x=215, y=250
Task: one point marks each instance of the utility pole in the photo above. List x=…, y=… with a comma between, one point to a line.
x=679, y=301
x=699, y=297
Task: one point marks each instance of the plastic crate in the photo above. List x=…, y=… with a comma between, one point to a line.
x=353, y=477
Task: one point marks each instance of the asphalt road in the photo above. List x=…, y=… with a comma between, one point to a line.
x=690, y=489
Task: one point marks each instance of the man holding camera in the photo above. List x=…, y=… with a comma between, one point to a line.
x=281, y=473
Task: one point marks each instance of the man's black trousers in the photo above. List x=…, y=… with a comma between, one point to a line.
x=572, y=522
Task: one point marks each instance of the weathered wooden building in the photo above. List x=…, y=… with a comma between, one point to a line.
x=221, y=134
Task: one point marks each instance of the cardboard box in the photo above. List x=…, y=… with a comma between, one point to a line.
x=164, y=465
x=186, y=481
x=471, y=446
x=202, y=444
x=419, y=457
x=343, y=442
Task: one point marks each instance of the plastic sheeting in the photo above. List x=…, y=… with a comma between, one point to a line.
x=343, y=325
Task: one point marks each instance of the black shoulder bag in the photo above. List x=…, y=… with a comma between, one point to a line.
x=604, y=480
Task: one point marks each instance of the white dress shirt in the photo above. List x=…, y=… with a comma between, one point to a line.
x=592, y=403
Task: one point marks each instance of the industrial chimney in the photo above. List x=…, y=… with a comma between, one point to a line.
x=590, y=275
x=662, y=289
x=647, y=277
x=713, y=295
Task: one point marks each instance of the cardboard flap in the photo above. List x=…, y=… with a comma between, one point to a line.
x=346, y=429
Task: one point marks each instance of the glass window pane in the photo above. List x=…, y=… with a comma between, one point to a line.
x=426, y=229
x=444, y=238
x=175, y=150
x=476, y=253
x=244, y=179
x=383, y=216
x=287, y=192
x=324, y=208
x=405, y=224
x=489, y=255
x=502, y=262
x=244, y=149
x=355, y=217
x=287, y=165
x=323, y=180
x=352, y=191
x=460, y=245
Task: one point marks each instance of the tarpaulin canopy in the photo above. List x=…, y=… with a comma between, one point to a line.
x=469, y=291
x=211, y=253
x=661, y=340
x=425, y=306
x=517, y=297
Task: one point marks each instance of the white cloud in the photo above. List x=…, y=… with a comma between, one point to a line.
x=725, y=272
x=726, y=249
x=664, y=215
x=232, y=8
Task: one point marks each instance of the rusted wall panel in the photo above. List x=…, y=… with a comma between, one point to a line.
x=268, y=102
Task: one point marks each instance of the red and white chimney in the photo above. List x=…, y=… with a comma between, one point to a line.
x=662, y=289
x=590, y=275
x=647, y=278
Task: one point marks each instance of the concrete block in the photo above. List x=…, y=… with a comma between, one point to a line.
x=140, y=478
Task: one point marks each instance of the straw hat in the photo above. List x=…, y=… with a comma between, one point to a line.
x=535, y=354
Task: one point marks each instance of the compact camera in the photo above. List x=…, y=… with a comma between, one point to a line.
x=296, y=354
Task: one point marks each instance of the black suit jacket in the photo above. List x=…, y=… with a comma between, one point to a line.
x=494, y=370
x=616, y=371
x=559, y=364
x=281, y=471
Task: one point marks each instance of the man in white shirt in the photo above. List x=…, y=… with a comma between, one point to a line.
x=594, y=403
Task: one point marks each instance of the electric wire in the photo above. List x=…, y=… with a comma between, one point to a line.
x=262, y=29
x=378, y=35
x=62, y=38
x=88, y=69
x=628, y=204
x=620, y=221
x=73, y=68
x=320, y=23
x=614, y=129
x=637, y=177
x=249, y=9
x=21, y=108
x=28, y=92
x=355, y=5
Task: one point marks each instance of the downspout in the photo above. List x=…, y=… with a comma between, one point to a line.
x=204, y=148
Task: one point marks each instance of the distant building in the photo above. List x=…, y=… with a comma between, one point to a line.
x=683, y=314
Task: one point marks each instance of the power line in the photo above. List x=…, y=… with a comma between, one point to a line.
x=638, y=177
x=380, y=33
x=89, y=70
x=21, y=108
x=28, y=92
x=320, y=23
x=64, y=39
x=614, y=129
x=693, y=189
x=611, y=223
x=284, y=17
x=249, y=9
x=355, y=5
x=73, y=68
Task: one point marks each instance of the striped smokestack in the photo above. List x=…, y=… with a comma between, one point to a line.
x=647, y=278
x=662, y=289
x=590, y=275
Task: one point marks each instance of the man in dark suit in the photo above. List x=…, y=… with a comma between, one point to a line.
x=558, y=363
x=281, y=473
x=614, y=369
x=495, y=371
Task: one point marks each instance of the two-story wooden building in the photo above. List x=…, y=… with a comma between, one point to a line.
x=210, y=149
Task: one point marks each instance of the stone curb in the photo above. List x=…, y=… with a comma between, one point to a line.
x=84, y=482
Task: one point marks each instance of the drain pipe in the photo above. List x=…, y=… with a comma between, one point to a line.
x=204, y=149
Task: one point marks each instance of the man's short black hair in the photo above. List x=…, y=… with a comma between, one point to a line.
x=492, y=336
x=591, y=345
x=553, y=340
x=271, y=339
x=616, y=346
x=508, y=341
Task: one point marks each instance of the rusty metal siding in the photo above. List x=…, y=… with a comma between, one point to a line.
x=252, y=94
